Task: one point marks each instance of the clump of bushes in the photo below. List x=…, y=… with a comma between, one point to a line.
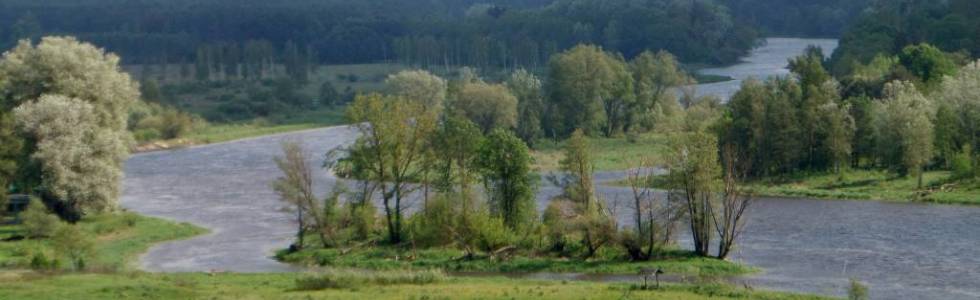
x=38, y=222
x=345, y=279
x=151, y=121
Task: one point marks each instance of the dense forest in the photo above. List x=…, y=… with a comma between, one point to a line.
x=888, y=26
x=506, y=33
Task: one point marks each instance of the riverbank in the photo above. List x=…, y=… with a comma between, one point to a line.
x=138, y=285
x=608, y=261
x=219, y=133
x=117, y=241
x=872, y=185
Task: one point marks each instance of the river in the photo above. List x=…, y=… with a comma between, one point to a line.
x=912, y=251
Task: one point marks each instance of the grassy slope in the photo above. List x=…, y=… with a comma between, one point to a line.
x=282, y=286
x=119, y=239
x=610, y=261
x=609, y=154
x=872, y=185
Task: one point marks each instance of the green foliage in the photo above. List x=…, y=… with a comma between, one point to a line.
x=349, y=279
x=490, y=106
x=530, y=104
x=904, y=128
x=72, y=104
x=590, y=90
x=420, y=86
x=927, y=63
x=857, y=291
x=577, y=164
x=74, y=244
x=888, y=27
x=38, y=222
x=394, y=133
x=963, y=165
x=505, y=164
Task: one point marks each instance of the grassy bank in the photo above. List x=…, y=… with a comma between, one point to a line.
x=610, y=261
x=608, y=154
x=862, y=185
x=873, y=185
x=118, y=238
x=284, y=286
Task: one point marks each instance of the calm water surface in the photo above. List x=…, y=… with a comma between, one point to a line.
x=903, y=251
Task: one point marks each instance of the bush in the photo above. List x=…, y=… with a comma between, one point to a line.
x=492, y=233
x=40, y=262
x=437, y=224
x=556, y=224
x=38, y=222
x=338, y=279
x=857, y=291
x=962, y=164
x=74, y=244
x=362, y=221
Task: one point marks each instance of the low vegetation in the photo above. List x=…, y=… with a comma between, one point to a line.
x=292, y=286
x=611, y=261
x=106, y=242
x=872, y=185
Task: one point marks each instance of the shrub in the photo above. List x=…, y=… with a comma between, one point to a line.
x=363, y=220
x=436, y=225
x=338, y=279
x=962, y=164
x=38, y=222
x=74, y=244
x=492, y=233
x=857, y=291
x=40, y=262
x=556, y=224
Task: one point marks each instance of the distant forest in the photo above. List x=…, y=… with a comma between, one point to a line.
x=505, y=33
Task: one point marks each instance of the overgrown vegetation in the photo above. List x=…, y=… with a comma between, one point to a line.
x=107, y=242
x=278, y=286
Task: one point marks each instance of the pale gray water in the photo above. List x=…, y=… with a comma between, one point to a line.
x=769, y=60
x=911, y=251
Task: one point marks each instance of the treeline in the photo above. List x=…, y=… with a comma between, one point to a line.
x=889, y=26
x=430, y=143
x=809, y=18
x=506, y=33
x=906, y=113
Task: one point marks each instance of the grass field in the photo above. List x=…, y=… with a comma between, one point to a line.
x=284, y=286
x=873, y=185
x=119, y=239
x=609, y=261
x=608, y=154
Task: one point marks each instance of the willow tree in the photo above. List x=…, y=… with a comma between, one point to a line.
x=488, y=105
x=655, y=75
x=74, y=75
x=693, y=172
x=530, y=104
x=390, y=151
x=591, y=90
x=904, y=128
x=420, y=86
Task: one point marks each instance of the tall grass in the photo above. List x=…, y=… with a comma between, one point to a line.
x=348, y=278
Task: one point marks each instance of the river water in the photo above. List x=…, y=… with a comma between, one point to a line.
x=902, y=251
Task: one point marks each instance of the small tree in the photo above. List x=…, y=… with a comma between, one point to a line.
x=74, y=244
x=693, y=174
x=857, y=291
x=505, y=163
x=488, y=105
x=394, y=133
x=419, y=86
x=729, y=222
x=295, y=187
x=578, y=167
